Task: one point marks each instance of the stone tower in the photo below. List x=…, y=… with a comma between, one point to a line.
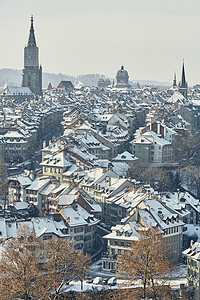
x=183, y=86
x=174, y=81
x=32, y=72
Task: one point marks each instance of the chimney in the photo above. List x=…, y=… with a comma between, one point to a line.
x=44, y=144
x=160, y=213
x=32, y=175
x=75, y=205
x=178, y=192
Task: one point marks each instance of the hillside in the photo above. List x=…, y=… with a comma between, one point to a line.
x=14, y=77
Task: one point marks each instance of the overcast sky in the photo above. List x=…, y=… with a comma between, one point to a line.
x=149, y=37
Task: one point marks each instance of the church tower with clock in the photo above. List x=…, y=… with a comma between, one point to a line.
x=32, y=72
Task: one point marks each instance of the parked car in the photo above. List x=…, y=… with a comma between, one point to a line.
x=104, y=281
x=97, y=280
x=112, y=281
x=89, y=280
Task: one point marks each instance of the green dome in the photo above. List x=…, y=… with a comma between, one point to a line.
x=122, y=72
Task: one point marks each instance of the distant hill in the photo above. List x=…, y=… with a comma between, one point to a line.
x=151, y=83
x=14, y=77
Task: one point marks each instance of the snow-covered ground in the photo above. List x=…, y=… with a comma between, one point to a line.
x=95, y=270
x=76, y=285
x=180, y=271
x=177, y=277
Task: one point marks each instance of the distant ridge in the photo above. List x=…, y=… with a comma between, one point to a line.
x=14, y=77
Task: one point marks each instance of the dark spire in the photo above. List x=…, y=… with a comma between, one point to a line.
x=174, y=81
x=183, y=81
x=182, y=87
x=31, y=39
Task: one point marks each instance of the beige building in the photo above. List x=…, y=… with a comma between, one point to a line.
x=55, y=165
x=145, y=214
x=193, y=268
x=82, y=225
x=104, y=185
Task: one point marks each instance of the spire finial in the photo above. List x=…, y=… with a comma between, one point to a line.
x=32, y=20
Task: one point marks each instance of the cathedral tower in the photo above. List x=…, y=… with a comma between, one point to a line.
x=32, y=73
x=182, y=86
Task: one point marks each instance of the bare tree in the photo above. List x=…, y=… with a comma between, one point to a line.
x=33, y=270
x=19, y=274
x=63, y=264
x=3, y=184
x=148, y=261
x=158, y=178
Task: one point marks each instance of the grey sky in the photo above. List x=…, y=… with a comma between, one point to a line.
x=149, y=37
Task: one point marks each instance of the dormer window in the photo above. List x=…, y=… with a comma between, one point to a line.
x=127, y=234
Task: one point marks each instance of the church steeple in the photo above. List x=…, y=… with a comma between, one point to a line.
x=174, y=81
x=31, y=39
x=183, y=81
x=182, y=87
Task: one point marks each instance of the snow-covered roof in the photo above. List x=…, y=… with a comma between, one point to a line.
x=125, y=156
x=38, y=183
x=47, y=226
x=20, y=205
x=193, y=251
x=59, y=160
x=176, y=97
x=16, y=90
x=77, y=216
x=65, y=200
x=127, y=232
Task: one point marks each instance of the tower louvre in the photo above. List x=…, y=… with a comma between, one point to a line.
x=32, y=73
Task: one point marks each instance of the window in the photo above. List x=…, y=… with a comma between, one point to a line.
x=78, y=229
x=47, y=237
x=78, y=237
x=88, y=229
x=88, y=237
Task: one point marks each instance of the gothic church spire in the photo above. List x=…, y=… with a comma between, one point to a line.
x=183, y=86
x=31, y=39
x=183, y=81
